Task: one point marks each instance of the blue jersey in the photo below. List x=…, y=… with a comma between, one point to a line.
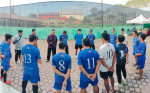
x=2, y=44
x=142, y=50
x=5, y=50
x=91, y=37
x=30, y=55
x=136, y=43
x=113, y=39
x=88, y=58
x=78, y=39
x=63, y=39
x=121, y=52
x=62, y=61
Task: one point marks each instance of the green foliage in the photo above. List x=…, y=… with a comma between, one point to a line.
x=137, y=3
x=31, y=15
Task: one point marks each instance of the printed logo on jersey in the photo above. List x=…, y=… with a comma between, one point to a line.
x=27, y=47
x=89, y=51
x=62, y=55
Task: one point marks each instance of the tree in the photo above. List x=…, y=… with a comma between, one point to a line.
x=86, y=20
x=31, y=15
x=72, y=19
x=137, y=3
x=94, y=11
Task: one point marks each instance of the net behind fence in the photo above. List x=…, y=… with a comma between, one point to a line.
x=44, y=32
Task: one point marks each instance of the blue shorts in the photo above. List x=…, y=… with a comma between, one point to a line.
x=84, y=84
x=127, y=50
x=141, y=62
x=58, y=85
x=6, y=67
x=33, y=78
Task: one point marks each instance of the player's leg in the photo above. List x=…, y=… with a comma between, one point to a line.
x=83, y=85
x=34, y=79
x=24, y=85
x=118, y=72
x=35, y=88
x=95, y=89
x=80, y=46
x=54, y=51
x=69, y=86
x=16, y=56
x=6, y=68
x=93, y=47
x=140, y=73
x=48, y=54
x=104, y=76
x=58, y=91
x=2, y=73
x=67, y=51
x=76, y=50
x=110, y=74
x=124, y=70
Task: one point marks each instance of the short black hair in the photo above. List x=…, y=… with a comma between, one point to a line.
x=8, y=36
x=122, y=29
x=105, y=31
x=64, y=32
x=53, y=30
x=121, y=38
x=20, y=31
x=32, y=38
x=105, y=36
x=62, y=46
x=86, y=42
x=113, y=29
x=79, y=29
x=143, y=36
x=33, y=30
x=91, y=30
x=135, y=32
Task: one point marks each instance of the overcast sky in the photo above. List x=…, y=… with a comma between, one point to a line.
x=17, y=2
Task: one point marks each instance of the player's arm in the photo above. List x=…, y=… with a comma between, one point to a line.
x=58, y=72
x=139, y=54
x=114, y=62
x=21, y=59
x=66, y=78
x=96, y=70
x=84, y=71
x=39, y=61
x=104, y=63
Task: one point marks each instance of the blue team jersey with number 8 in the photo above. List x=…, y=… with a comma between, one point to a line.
x=30, y=56
x=62, y=61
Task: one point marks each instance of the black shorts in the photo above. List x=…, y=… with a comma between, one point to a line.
x=105, y=75
x=78, y=46
x=92, y=46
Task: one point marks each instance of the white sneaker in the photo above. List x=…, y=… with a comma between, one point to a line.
x=118, y=85
x=76, y=56
x=124, y=80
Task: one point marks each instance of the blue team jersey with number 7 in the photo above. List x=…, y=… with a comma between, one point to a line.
x=88, y=58
x=62, y=61
x=30, y=55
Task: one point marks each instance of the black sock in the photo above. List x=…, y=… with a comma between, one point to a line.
x=5, y=77
x=24, y=85
x=35, y=88
x=2, y=71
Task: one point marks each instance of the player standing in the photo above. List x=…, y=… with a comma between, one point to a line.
x=136, y=43
x=92, y=38
x=30, y=57
x=113, y=37
x=78, y=37
x=121, y=60
x=63, y=39
x=126, y=43
x=6, y=56
x=108, y=59
x=37, y=38
x=89, y=63
x=141, y=55
x=62, y=67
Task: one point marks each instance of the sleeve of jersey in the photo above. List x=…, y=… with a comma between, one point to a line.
x=60, y=38
x=97, y=58
x=70, y=63
x=87, y=36
x=142, y=50
x=79, y=59
x=75, y=36
x=101, y=53
x=38, y=54
x=94, y=37
x=53, y=61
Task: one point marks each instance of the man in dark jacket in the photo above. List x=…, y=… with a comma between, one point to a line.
x=52, y=43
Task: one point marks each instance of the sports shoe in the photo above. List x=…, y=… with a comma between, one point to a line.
x=124, y=80
x=76, y=56
x=47, y=60
x=7, y=82
x=118, y=85
x=1, y=77
x=16, y=63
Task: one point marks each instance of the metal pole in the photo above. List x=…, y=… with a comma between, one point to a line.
x=38, y=14
x=10, y=14
x=102, y=12
x=3, y=16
